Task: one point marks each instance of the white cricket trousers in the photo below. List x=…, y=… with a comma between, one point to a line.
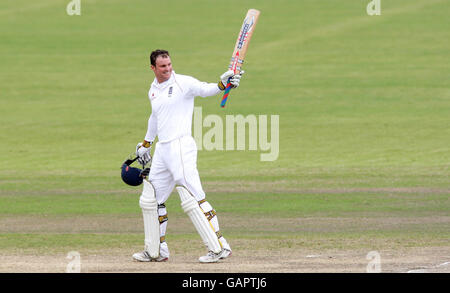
x=175, y=163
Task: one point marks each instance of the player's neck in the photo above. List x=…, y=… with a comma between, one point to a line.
x=162, y=80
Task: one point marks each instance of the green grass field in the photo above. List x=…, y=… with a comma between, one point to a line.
x=363, y=104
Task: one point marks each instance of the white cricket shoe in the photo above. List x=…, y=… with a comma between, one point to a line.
x=225, y=253
x=214, y=257
x=144, y=256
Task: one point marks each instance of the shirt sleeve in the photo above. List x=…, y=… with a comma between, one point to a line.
x=202, y=89
x=152, y=128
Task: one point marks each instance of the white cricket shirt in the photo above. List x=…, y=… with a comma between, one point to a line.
x=173, y=105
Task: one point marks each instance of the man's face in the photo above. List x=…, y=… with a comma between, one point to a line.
x=162, y=69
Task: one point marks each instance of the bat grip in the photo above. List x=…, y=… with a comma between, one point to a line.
x=225, y=94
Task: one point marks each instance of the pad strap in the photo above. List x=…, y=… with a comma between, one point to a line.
x=163, y=218
x=210, y=214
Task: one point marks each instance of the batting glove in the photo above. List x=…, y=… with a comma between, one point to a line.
x=144, y=173
x=234, y=79
x=143, y=152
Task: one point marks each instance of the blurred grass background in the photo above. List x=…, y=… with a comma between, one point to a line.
x=364, y=102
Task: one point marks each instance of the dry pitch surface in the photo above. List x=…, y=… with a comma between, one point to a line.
x=429, y=259
x=308, y=245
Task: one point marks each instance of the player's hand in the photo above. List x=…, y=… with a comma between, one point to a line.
x=143, y=152
x=144, y=173
x=234, y=79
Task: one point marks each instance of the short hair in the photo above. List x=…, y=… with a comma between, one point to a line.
x=155, y=54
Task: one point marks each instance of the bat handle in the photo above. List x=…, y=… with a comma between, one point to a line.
x=225, y=94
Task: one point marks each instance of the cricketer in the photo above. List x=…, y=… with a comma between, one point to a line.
x=174, y=162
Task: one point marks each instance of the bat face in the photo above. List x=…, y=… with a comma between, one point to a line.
x=243, y=39
x=240, y=48
x=246, y=27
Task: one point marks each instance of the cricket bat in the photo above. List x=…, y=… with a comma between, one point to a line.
x=240, y=49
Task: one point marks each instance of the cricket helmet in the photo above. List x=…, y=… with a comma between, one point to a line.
x=131, y=175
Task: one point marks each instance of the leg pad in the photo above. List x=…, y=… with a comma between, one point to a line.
x=149, y=206
x=192, y=208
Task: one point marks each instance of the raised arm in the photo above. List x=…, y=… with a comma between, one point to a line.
x=204, y=89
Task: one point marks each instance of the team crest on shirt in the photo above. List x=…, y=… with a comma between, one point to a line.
x=170, y=92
